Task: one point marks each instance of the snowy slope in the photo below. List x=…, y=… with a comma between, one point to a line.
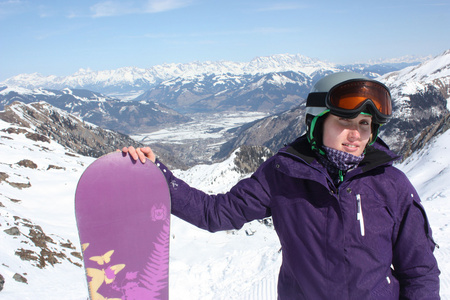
x=44, y=200
x=429, y=171
x=415, y=79
x=226, y=265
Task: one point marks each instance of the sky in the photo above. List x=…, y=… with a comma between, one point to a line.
x=59, y=37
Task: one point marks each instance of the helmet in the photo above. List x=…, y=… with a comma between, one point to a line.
x=346, y=94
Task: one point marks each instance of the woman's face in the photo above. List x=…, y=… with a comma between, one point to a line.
x=348, y=135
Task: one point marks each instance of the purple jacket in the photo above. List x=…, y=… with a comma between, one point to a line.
x=369, y=238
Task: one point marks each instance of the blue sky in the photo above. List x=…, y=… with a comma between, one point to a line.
x=59, y=37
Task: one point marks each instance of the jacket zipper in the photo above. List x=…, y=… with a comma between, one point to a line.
x=359, y=215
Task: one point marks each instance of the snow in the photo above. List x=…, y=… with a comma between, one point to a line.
x=202, y=127
x=47, y=203
x=417, y=79
x=135, y=76
x=429, y=171
x=240, y=264
x=414, y=79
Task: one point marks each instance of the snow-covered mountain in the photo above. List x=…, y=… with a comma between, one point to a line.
x=271, y=84
x=436, y=68
x=141, y=78
x=42, y=122
x=129, y=82
x=269, y=92
x=104, y=111
x=421, y=96
x=41, y=253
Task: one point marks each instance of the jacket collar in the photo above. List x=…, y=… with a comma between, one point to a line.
x=376, y=155
x=301, y=148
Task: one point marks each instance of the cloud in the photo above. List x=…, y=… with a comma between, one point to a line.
x=110, y=8
x=154, y=6
x=282, y=6
x=117, y=8
x=10, y=2
x=11, y=7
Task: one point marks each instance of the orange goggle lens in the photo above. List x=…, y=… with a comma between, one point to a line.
x=352, y=95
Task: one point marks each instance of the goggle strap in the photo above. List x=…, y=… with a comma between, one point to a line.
x=375, y=136
x=316, y=99
x=311, y=138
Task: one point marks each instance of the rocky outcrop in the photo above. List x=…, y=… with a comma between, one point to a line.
x=249, y=158
x=41, y=121
x=422, y=139
x=106, y=112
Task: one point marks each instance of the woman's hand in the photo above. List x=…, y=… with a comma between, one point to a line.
x=140, y=153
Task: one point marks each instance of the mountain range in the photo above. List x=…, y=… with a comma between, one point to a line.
x=107, y=112
x=277, y=85
x=129, y=82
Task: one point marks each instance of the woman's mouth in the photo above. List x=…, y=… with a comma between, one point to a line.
x=350, y=147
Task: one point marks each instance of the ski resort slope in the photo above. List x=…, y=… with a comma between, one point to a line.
x=429, y=171
x=238, y=265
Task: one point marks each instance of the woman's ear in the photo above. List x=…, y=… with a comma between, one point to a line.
x=370, y=140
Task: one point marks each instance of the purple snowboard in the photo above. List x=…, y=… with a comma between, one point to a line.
x=122, y=209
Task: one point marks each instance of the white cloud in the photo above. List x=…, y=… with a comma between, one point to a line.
x=282, y=6
x=11, y=7
x=117, y=8
x=110, y=8
x=154, y=6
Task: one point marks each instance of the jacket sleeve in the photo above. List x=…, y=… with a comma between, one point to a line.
x=246, y=201
x=413, y=260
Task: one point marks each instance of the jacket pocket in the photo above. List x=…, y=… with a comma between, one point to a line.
x=387, y=288
x=374, y=223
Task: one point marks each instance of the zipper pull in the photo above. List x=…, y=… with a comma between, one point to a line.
x=359, y=215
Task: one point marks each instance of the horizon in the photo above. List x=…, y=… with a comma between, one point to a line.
x=402, y=59
x=59, y=38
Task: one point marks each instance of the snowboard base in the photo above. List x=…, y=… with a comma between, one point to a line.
x=123, y=216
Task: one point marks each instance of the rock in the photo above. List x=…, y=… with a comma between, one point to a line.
x=12, y=231
x=249, y=158
x=19, y=278
x=37, y=137
x=2, y=282
x=27, y=164
x=46, y=122
x=55, y=167
x=3, y=176
x=20, y=185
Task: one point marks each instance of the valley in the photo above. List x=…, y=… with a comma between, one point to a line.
x=199, y=140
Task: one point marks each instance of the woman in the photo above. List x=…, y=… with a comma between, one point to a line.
x=350, y=224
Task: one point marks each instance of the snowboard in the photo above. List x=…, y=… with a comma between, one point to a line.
x=122, y=210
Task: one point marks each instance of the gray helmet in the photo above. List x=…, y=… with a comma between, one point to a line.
x=322, y=87
x=335, y=93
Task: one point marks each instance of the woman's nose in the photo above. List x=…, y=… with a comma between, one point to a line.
x=353, y=133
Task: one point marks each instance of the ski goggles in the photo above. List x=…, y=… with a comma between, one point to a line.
x=350, y=98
